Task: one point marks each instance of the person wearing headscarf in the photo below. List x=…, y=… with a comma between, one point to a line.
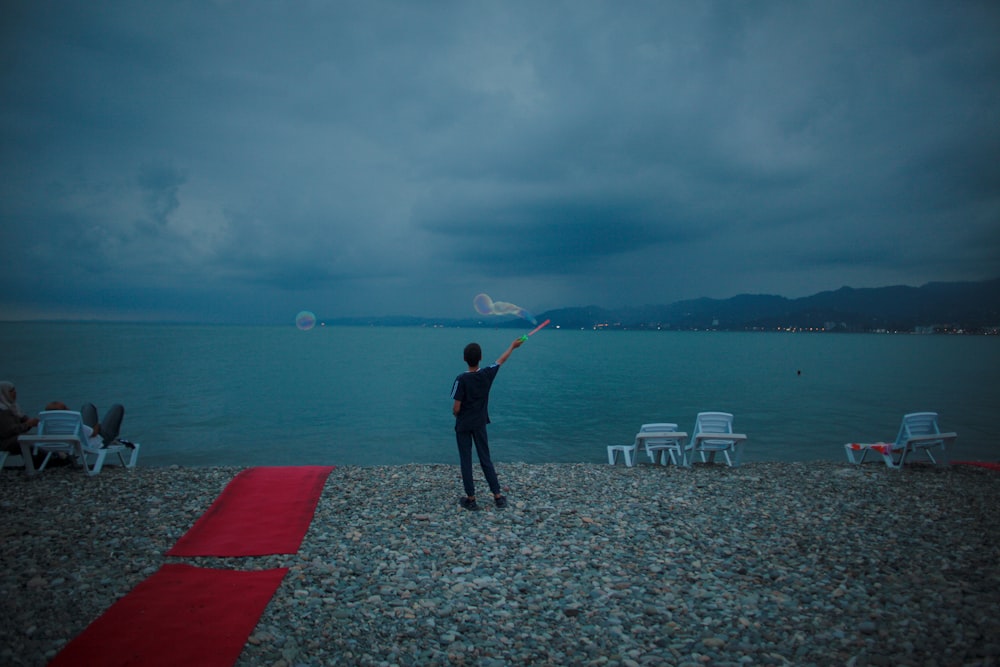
x=13, y=421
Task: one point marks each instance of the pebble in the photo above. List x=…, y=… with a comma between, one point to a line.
x=767, y=564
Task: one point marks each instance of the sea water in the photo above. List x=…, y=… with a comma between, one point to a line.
x=259, y=395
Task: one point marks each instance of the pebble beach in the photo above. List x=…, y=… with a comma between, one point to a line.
x=818, y=563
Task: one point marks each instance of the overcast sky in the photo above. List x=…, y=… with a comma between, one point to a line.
x=244, y=160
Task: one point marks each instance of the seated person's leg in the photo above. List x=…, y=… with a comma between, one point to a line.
x=112, y=423
x=89, y=414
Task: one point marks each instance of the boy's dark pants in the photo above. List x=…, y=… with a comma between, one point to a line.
x=465, y=440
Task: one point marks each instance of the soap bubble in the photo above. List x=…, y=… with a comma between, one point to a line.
x=305, y=320
x=484, y=305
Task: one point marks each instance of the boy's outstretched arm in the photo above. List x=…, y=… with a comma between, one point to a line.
x=518, y=342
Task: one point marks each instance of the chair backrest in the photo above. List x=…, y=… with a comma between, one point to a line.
x=917, y=423
x=661, y=426
x=60, y=422
x=713, y=422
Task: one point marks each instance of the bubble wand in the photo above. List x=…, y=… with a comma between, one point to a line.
x=533, y=331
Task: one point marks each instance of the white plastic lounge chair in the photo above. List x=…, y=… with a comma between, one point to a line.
x=5, y=455
x=627, y=452
x=659, y=440
x=918, y=432
x=713, y=433
x=59, y=432
x=63, y=432
x=662, y=441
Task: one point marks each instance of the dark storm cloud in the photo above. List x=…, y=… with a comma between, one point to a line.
x=389, y=157
x=558, y=237
x=160, y=188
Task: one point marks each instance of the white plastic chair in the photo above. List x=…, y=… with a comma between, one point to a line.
x=662, y=448
x=63, y=432
x=4, y=456
x=627, y=452
x=713, y=433
x=59, y=432
x=919, y=431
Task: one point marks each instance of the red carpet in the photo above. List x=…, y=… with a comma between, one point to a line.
x=981, y=464
x=182, y=615
x=262, y=511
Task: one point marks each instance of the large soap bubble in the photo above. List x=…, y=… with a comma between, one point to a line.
x=305, y=320
x=484, y=305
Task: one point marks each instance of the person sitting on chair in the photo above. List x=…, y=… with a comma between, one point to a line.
x=109, y=427
x=101, y=433
x=13, y=421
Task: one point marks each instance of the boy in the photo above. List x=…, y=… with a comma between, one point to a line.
x=471, y=392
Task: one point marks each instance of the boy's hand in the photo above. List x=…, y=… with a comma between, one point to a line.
x=506, y=353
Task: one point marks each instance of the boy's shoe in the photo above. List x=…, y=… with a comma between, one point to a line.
x=501, y=502
x=469, y=504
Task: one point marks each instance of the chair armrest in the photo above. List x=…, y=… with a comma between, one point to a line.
x=48, y=439
x=736, y=437
x=932, y=437
x=642, y=439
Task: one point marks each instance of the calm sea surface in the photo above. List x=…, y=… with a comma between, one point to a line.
x=228, y=395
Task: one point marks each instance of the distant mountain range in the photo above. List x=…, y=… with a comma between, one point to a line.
x=959, y=307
